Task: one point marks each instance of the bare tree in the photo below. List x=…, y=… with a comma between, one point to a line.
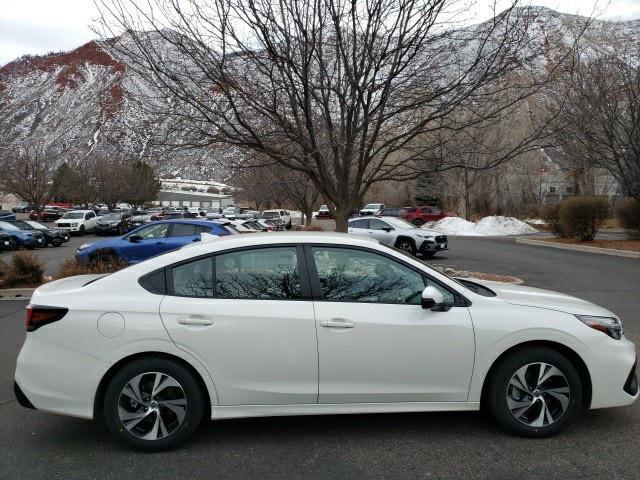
x=601, y=113
x=349, y=93
x=27, y=172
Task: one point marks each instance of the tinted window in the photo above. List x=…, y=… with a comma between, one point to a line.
x=193, y=279
x=361, y=276
x=359, y=224
x=266, y=273
x=152, y=231
x=377, y=224
x=185, y=229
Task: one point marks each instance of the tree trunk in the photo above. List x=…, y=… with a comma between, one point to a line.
x=342, y=219
x=308, y=217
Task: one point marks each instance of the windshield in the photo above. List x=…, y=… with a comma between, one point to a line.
x=23, y=225
x=399, y=223
x=372, y=205
x=8, y=226
x=73, y=215
x=114, y=217
x=36, y=225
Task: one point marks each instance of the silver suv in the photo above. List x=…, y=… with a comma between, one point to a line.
x=401, y=234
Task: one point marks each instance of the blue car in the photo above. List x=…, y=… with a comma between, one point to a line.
x=23, y=238
x=149, y=240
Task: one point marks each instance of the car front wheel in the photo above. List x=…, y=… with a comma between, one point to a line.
x=535, y=392
x=406, y=245
x=153, y=404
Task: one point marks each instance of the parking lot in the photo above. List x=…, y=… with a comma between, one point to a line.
x=601, y=444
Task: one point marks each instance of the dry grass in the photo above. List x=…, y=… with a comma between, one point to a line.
x=306, y=228
x=493, y=277
x=628, y=245
x=23, y=271
x=71, y=267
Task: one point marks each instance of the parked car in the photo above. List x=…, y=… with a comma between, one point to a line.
x=283, y=216
x=372, y=209
x=23, y=207
x=22, y=238
x=6, y=243
x=255, y=225
x=242, y=227
x=149, y=240
x=114, y=223
x=52, y=236
x=391, y=211
x=78, y=221
x=138, y=219
x=401, y=234
x=271, y=224
x=323, y=213
x=153, y=349
x=213, y=213
x=421, y=215
x=47, y=214
x=7, y=215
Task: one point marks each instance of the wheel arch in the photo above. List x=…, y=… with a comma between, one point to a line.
x=400, y=238
x=575, y=359
x=98, y=402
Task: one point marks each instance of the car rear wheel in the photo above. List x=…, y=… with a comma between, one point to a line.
x=82, y=230
x=153, y=404
x=535, y=392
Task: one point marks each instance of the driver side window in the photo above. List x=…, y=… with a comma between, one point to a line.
x=158, y=230
x=349, y=275
x=377, y=224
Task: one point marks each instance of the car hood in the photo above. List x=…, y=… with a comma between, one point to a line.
x=419, y=231
x=540, y=298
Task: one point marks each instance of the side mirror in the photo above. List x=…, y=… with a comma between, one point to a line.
x=387, y=229
x=432, y=298
x=135, y=238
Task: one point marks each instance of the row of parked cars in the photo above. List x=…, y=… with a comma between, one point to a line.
x=29, y=234
x=418, y=216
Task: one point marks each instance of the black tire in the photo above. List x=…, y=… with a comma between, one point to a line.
x=178, y=432
x=82, y=230
x=417, y=222
x=406, y=245
x=527, y=425
x=429, y=254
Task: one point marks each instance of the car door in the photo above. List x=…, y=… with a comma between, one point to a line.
x=181, y=234
x=375, y=341
x=359, y=226
x=144, y=242
x=381, y=231
x=90, y=220
x=253, y=326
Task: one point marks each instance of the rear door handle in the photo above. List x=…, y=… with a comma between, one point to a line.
x=195, y=321
x=337, y=323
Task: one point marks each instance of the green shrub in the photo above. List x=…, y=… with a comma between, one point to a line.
x=629, y=215
x=24, y=270
x=551, y=214
x=582, y=217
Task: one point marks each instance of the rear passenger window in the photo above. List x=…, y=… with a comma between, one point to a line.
x=193, y=279
x=265, y=273
x=183, y=229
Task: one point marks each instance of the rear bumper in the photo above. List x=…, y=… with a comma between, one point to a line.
x=56, y=379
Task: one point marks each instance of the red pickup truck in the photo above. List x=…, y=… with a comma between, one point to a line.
x=421, y=215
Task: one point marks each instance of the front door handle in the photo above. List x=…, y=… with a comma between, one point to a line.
x=195, y=320
x=337, y=323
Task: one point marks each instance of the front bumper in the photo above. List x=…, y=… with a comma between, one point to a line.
x=440, y=244
x=68, y=227
x=612, y=369
x=108, y=229
x=32, y=242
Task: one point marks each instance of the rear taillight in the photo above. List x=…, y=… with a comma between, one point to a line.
x=37, y=316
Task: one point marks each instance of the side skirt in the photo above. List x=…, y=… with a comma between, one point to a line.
x=244, y=411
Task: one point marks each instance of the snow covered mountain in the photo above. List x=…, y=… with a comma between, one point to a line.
x=89, y=99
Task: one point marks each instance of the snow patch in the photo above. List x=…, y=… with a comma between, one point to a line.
x=487, y=227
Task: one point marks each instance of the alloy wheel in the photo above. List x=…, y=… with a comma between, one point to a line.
x=538, y=394
x=152, y=406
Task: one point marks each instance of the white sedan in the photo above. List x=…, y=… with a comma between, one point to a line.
x=308, y=323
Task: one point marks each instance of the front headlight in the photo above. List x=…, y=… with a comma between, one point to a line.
x=607, y=325
x=85, y=245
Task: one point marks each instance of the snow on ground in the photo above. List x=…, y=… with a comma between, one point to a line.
x=488, y=226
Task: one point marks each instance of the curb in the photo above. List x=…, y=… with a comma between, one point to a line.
x=16, y=293
x=580, y=248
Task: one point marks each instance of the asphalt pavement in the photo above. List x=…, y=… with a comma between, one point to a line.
x=600, y=444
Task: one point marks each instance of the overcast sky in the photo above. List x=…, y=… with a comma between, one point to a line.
x=41, y=26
